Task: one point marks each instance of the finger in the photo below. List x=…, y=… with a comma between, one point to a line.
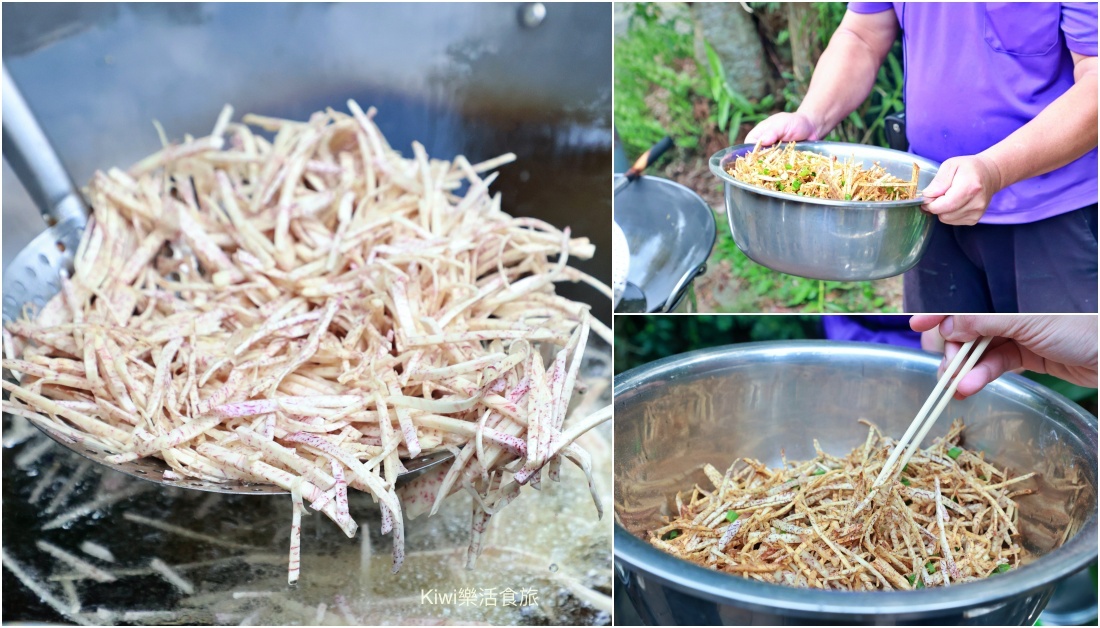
x=994, y=362
x=942, y=181
x=964, y=328
x=961, y=217
x=931, y=341
x=950, y=349
x=925, y=322
x=951, y=201
x=968, y=213
x=763, y=133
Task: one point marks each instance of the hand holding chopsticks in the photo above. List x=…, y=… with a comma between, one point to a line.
x=928, y=414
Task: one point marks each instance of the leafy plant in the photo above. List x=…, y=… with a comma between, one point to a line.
x=654, y=95
x=733, y=108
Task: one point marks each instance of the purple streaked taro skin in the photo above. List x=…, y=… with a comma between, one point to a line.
x=1006, y=62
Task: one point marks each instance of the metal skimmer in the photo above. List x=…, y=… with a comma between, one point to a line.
x=32, y=277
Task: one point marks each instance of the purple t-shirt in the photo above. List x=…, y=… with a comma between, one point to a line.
x=976, y=72
x=889, y=329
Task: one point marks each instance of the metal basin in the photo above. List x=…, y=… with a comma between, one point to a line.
x=674, y=415
x=831, y=240
x=670, y=232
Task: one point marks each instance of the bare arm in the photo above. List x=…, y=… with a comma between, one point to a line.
x=1062, y=132
x=846, y=72
x=842, y=80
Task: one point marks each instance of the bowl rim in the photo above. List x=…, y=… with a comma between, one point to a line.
x=723, y=588
x=718, y=159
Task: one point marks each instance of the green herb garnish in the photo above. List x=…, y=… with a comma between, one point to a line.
x=954, y=452
x=671, y=534
x=731, y=516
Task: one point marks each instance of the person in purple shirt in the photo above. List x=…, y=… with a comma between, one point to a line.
x=1005, y=95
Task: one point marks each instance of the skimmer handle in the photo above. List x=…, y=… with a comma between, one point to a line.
x=29, y=153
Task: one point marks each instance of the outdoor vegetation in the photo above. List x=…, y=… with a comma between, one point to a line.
x=705, y=74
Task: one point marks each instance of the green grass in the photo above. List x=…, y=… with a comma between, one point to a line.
x=648, y=76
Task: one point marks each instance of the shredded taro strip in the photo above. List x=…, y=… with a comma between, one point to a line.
x=943, y=522
x=786, y=169
x=308, y=311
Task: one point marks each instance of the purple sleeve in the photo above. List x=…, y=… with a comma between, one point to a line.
x=1079, y=27
x=870, y=7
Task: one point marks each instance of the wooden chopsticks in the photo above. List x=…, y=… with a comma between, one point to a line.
x=925, y=418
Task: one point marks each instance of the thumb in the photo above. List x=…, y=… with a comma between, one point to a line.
x=942, y=181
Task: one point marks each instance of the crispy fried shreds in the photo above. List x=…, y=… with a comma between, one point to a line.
x=309, y=311
x=784, y=168
x=943, y=522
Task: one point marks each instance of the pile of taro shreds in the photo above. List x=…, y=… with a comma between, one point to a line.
x=784, y=168
x=948, y=518
x=308, y=312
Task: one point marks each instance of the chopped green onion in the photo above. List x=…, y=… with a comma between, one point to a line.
x=765, y=171
x=731, y=516
x=905, y=468
x=931, y=567
x=954, y=452
x=796, y=184
x=983, y=478
x=805, y=172
x=912, y=578
x=920, y=584
x=819, y=472
x=671, y=534
x=779, y=186
x=789, y=167
x=847, y=197
x=906, y=481
x=1001, y=569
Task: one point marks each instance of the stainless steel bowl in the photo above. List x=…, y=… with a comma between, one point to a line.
x=674, y=415
x=833, y=240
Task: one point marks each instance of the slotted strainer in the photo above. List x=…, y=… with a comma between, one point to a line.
x=32, y=278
